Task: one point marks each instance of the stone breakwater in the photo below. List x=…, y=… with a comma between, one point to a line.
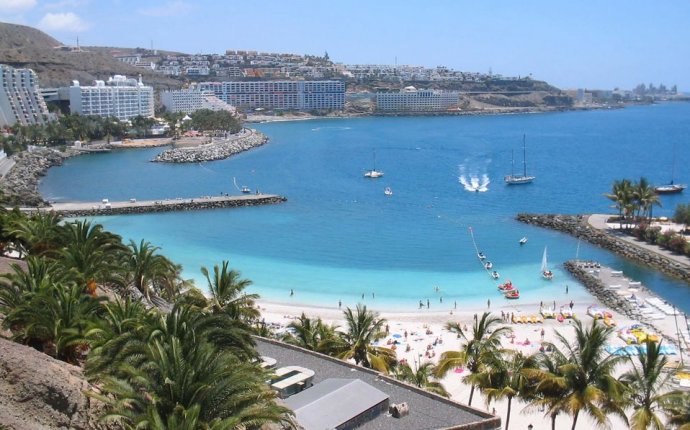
x=122, y=208
x=216, y=150
x=577, y=225
x=20, y=186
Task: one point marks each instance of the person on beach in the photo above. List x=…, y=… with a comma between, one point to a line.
x=488, y=303
x=455, y=304
x=440, y=299
x=292, y=292
x=542, y=334
x=427, y=303
x=571, y=305
x=421, y=305
x=340, y=304
x=566, y=288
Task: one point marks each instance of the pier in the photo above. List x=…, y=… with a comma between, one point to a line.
x=133, y=206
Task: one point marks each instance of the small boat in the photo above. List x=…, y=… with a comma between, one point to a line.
x=246, y=190
x=514, y=179
x=495, y=274
x=523, y=240
x=481, y=255
x=388, y=191
x=488, y=265
x=545, y=272
x=373, y=173
x=512, y=294
x=506, y=287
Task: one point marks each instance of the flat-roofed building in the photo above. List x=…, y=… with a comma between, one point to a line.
x=118, y=97
x=339, y=403
x=20, y=98
x=192, y=99
x=412, y=100
x=283, y=95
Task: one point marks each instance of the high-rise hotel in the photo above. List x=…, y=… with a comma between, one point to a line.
x=20, y=101
x=284, y=95
x=119, y=97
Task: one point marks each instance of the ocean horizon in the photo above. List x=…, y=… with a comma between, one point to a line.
x=340, y=238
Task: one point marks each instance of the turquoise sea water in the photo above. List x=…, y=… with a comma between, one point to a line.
x=339, y=236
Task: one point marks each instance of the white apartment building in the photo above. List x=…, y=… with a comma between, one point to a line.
x=20, y=100
x=119, y=97
x=193, y=99
x=412, y=100
x=285, y=95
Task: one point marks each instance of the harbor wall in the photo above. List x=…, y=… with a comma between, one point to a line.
x=167, y=206
x=577, y=225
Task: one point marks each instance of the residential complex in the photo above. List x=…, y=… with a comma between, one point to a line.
x=412, y=100
x=118, y=97
x=193, y=99
x=281, y=95
x=20, y=101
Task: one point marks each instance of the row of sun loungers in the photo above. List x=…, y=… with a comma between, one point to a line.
x=661, y=305
x=525, y=319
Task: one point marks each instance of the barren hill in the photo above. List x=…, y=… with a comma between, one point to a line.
x=22, y=46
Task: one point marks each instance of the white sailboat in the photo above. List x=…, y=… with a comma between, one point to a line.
x=373, y=173
x=545, y=272
x=671, y=187
x=514, y=179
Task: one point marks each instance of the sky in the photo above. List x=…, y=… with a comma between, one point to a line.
x=591, y=44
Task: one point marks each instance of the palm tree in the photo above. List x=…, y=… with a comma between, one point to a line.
x=506, y=378
x=677, y=408
x=645, y=382
x=477, y=350
x=363, y=328
x=227, y=293
x=314, y=335
x=37, y=234
x=622, y=196
x=92, y=253
x=548, y=385
x=422, y=378
x=145, y=266
x=177, y=373
x=645, y=197
x=587, y=375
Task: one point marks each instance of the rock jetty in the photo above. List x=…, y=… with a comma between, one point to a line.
x=577, y=225
x=126, y=208
x=20, y=186
x=216, y=150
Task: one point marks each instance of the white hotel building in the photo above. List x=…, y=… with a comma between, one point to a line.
x=412, y=100
x=284, y=95
x=20, y=101
x=191, y=100
x=119, y=97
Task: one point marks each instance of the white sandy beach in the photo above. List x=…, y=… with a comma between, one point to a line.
x=428, y=339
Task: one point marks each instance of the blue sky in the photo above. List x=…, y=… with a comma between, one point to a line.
x=585, y=43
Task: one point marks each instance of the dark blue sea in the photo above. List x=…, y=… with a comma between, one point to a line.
x=339, y=237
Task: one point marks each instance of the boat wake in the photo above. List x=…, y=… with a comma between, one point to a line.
x=473, y=182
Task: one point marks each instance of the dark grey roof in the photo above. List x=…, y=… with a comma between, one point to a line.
x=333, y=402
x=427, y=411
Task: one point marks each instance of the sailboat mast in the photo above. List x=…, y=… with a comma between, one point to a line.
x=673, y=165
x=524, y=156
x=512, y=163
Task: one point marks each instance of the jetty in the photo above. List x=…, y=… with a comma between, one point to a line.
x=133, y=206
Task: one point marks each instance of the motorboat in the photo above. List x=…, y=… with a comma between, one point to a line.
x=388, y=191
x=495, y=274
x=481, y=255
x=523, y=240
x=246, y=190
x=506, y=286
x=488, y=265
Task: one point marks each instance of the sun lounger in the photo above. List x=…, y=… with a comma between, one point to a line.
x=616, y=273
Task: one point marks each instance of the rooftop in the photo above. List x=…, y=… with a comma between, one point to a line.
x=426, y=410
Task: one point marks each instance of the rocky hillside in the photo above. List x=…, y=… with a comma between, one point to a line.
x=22, y=46
x=39, y=392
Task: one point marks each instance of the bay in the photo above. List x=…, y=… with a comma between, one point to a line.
x=340, y=238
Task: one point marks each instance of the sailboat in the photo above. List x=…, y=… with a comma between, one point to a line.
x=373, y=173
x=545, y=272
x=514, y=179
x=671, y=188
